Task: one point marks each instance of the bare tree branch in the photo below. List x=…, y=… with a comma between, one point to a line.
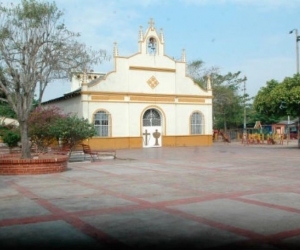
x=35, y=49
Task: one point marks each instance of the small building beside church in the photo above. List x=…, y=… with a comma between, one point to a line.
x=148, y=100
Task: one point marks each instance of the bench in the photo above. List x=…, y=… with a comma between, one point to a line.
x=95, y=154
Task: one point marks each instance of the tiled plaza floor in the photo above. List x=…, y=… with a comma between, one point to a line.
x=227, y=196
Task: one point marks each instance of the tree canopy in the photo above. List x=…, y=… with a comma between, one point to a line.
x=279, y=99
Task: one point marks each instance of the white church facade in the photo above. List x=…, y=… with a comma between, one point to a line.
x=146, y=101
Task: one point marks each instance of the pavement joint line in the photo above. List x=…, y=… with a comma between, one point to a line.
x=74, y=218
x=59, y=214
x=70, y=217
x=243, y=232
x=93, y=232
x=264, y=204
x=40, y=201
x=272, y=239
x=284, y=235
x=207, y=197
x=164, y=206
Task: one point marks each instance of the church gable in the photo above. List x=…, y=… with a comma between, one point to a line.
x=149, y=70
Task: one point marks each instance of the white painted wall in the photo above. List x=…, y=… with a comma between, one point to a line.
x=127, y=115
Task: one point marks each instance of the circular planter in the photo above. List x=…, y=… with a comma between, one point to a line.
x=11, y=164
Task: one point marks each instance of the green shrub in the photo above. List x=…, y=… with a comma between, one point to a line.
x=3, y=130
x=11, y=138
x=40, y=121
x=72, y=130
x=49, y=124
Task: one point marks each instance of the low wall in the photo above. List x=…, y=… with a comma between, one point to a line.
x=187, y=141
x=11, y=164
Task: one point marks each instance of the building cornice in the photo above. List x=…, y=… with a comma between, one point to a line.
x=152, y=69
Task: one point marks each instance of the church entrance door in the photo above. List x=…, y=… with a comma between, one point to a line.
x=152, y=131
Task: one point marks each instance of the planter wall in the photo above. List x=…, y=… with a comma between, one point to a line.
x=11, y=164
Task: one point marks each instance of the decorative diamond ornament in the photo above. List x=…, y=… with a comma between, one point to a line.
x=152, y=82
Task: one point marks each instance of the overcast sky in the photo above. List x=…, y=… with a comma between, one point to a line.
x=251, y=36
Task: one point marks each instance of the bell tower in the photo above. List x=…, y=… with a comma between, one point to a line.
x=150, y=42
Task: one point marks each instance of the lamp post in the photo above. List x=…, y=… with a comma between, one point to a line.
x=245, y=128
x=297, y=59
x=244, y=138
x=297, y=49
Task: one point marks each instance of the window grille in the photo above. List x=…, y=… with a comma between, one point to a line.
x=102, y=123
x=197, y=125
x=151, y=118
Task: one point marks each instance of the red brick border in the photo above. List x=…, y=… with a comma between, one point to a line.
x=11, y=165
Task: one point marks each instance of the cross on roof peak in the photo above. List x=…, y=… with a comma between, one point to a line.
x=151, y=23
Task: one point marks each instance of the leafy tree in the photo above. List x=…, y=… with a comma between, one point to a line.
x=279, y=99
x=227, y=107
x=41, y=120
x=6, y=110
x=50, y=124
x=35, y=49
x=228, y=104
x=199, y=72
x=253, y=115
x=72, y=130
x=263, y=102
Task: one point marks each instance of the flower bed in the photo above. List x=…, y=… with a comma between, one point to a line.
x=11, y=164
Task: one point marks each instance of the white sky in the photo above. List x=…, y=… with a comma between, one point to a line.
x=251, y=36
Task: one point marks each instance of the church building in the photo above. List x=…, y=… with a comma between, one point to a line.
x=148, y=100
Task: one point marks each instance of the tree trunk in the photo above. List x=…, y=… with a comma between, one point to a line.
x=25, y=149
x=225, y=124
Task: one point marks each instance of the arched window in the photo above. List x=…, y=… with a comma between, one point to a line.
x=151, y=118
x=197, y=123
x=102, y=123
